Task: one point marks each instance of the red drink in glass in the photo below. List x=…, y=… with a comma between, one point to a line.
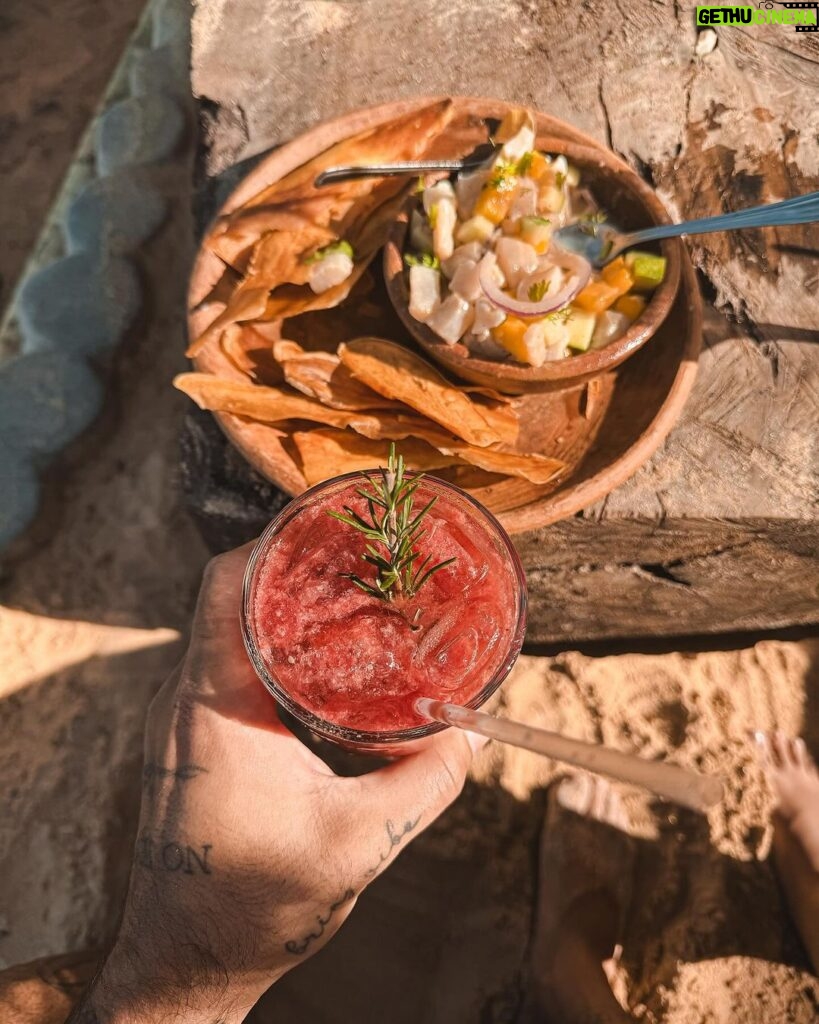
x=350, y=665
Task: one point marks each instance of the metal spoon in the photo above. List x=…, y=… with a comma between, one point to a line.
x=410, y=167
x=600, y=243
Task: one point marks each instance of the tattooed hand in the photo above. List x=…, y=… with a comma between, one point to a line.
x=251, y=852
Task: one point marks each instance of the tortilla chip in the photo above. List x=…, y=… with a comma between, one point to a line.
x=294, y=199
x=275, y=286
x=322, y=376
x=288, y=300
x=233, y=237
x=404, y=138
x=246, y=304
x=292, y=300
x=220, y=291
x=538, y=469
x=329, y=453
x=395, y=372
x=278, y=255
x=251, y=353
x=265, y=404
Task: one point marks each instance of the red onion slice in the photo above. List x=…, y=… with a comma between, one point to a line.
x=580, y=272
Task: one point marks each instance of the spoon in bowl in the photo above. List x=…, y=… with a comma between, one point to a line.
x=681, y=785
x=600, y=243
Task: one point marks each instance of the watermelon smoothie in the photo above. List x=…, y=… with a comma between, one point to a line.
x=350, y=665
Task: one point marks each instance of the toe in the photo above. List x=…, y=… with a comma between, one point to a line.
x=575, y=792
x=799, y=753
x=600, y=799
x=805, y=759
x=763, y=748
x=781, y=747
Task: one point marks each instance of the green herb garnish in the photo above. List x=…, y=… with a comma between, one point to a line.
x=560, y=179
x=523, y=165
x=589, y=223
x=393, y=532
x=432, y=216
x=425, y=259
x=560, y=316
x=341, y=246
x=503, y=176
x=538, y=290
x=419, y=186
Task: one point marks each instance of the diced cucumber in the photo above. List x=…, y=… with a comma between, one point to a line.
x=537, y=231
x=581, y=328
x=647, y=269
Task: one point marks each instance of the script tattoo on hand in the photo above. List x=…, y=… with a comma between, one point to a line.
x=395, y=838
x=298, y=947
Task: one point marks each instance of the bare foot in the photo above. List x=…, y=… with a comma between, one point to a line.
x=586, y=866
x=795, y=782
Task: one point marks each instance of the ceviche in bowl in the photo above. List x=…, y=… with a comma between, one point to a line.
x=479, y=277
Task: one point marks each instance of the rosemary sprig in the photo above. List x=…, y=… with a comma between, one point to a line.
x=393, y=530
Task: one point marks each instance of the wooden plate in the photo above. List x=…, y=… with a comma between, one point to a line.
x=604, y=430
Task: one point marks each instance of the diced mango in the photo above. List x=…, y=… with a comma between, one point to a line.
x=581, y=327
x=631, y=306
x=616, y=275
x=596, y=297
x=494, y=202
x=510, y=335
x=539, y=166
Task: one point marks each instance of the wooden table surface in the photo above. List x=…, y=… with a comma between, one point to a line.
x=718, y=532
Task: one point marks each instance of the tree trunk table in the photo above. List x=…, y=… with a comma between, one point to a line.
x=718, y=531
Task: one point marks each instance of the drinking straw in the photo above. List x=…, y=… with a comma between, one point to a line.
x=681, y=785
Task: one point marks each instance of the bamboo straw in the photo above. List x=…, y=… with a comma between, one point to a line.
x=681, y=785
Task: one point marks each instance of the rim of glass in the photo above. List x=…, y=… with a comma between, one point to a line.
x=332, y=730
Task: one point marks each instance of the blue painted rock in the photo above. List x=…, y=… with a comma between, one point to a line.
x=113, y=215
x=21, y=494
x=138, y=130
x=79, y=304
x=46, y=400
x=171, y=22
x=161, y=70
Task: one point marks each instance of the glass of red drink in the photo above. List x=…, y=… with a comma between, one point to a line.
x=350, y=665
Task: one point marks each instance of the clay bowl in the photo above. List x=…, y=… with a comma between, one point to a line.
x=632, y=205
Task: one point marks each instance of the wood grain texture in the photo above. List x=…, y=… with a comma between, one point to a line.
x=712, y=134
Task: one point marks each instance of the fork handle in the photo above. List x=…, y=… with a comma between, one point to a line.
x=799, y=210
